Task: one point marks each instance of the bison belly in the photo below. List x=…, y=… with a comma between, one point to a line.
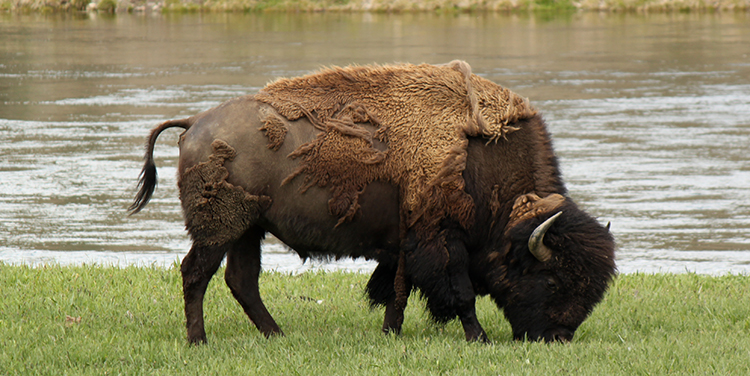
x=299, y=217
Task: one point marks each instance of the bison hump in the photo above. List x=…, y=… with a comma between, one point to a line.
x=422, y=113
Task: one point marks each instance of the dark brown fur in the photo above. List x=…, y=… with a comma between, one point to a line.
x=542, y=300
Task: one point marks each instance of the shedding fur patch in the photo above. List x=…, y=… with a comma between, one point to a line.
x=422, y=113
x=217, y=212
x=275, y=131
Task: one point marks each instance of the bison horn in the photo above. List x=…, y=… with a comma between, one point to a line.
x=536, y=244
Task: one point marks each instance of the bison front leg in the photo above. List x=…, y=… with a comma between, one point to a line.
x=440, y=269
x=243, y=269
x=394, y=309
x=198, y=266
x=389, y=287
x=466, y=307
x=394, y=317
x=472, y=328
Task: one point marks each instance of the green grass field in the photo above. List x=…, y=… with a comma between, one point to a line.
x=106, y=320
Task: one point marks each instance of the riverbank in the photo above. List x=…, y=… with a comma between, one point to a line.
x=146, y=6
x=106, y=320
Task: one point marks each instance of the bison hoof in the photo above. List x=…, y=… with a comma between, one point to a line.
x=273, y=333
x=480, y=337
x=389, y=330
x=197, y=341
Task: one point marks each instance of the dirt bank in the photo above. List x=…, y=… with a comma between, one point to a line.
x=119, y=6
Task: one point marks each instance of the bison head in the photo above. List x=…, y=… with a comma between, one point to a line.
x=558, y=264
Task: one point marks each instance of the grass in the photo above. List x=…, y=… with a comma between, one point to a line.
x=106, y=320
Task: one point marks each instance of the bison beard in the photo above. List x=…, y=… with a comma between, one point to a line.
x=487, y=214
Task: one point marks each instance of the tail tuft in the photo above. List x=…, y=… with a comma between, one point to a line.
x=146, y=186
x=147, y=182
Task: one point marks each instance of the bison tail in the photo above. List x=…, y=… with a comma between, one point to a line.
x=148, y=179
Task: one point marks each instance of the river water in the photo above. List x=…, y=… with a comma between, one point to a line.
x=650, y=115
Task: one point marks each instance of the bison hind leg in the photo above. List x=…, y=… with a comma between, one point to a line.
x=218, y=215
x=198, y=266
x=243, y=270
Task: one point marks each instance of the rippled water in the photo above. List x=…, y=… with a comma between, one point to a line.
x=650, y=115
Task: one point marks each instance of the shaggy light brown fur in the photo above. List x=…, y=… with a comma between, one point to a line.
x=217, y=212
x=422, y=113
x=530, y=205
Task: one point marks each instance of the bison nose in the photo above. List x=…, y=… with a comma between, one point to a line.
x=558, y=335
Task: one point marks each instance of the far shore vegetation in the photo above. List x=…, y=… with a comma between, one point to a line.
x=177, y=6
x=98, y=320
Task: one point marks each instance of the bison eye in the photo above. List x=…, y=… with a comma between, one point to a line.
x=551, y=284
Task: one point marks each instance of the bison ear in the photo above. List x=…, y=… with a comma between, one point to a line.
x=536, y=240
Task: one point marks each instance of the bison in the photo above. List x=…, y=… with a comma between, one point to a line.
x=544, y=261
